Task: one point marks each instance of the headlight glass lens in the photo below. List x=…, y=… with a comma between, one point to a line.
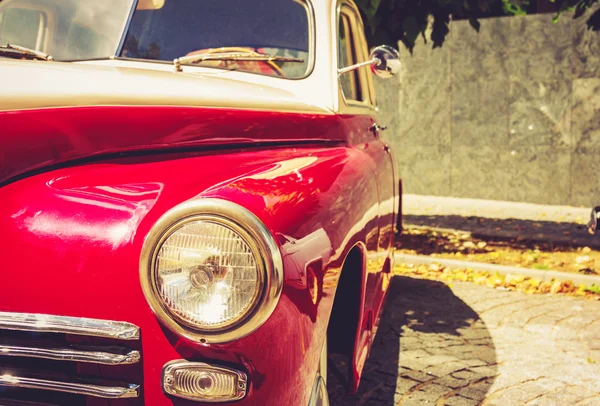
x=206, y=275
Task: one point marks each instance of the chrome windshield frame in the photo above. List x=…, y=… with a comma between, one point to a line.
x=134, y=5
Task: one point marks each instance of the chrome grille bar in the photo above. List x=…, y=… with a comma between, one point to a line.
x=107, y=392
x=43, y=323
x=71, y=354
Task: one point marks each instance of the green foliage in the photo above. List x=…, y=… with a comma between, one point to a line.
x=389, y=21
x=511, y=8
x=593, y=289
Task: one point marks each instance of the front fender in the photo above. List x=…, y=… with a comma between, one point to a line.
x=72, y=240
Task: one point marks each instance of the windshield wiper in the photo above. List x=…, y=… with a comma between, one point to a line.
x=232, y=56
x=16, y=50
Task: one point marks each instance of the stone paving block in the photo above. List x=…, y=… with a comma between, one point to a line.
x=492, y=302
x=447, y=336
x=565, y=396
x=462, y=348
x=411, y=342
x=414, y=402
x=582, y=392
x=484, y=353
x=514, y=396
x=446, y=368
x=590, y=381
x=451, y=382
x=438, y=359
x=473, y=334
x=418, y=376
x=429, y=394
x=475, y=391
x=405, y=384
x=460, y=401
x=416, y=364
x=593, y=401
x=440, y=344
x=593, y=356
x=412, y=354
x=467, y=375
x=442, y=351
x=544, y=385
x=499, y=314
x=540, y=387
x=485, y=371
x=473, y=362
x=480, y=341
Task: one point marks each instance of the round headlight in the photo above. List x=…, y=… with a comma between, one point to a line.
x=211, y=271
x=207, y=275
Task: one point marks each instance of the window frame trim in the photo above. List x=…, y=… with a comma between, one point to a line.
x=344, y=20
x=356, y=22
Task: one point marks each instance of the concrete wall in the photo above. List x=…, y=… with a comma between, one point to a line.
x=509, y=113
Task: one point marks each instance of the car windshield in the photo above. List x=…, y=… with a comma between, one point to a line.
x=237, y=34
x=66, y=29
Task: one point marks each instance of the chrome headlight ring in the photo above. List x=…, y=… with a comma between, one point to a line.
x=254, y=234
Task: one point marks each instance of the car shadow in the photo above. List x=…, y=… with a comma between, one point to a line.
x=431, y=347
x=515, y=233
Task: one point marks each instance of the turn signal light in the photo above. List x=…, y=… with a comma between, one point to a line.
x=203, y=382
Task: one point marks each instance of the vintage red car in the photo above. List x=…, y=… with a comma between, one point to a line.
x=195, y=201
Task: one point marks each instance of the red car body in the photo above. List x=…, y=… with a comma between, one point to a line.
x=83, y=183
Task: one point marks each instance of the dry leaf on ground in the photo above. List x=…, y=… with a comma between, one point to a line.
x=520, y=283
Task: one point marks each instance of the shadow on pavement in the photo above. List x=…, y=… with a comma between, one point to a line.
x=517, y=233
x=430, y=348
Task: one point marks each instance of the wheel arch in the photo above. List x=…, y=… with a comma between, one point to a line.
x=348, y=307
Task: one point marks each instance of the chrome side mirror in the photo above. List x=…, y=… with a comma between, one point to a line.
x=389, y=61
x=384, y=62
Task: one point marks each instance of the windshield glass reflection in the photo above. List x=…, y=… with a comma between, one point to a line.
x=169, y=29
x=68, y=30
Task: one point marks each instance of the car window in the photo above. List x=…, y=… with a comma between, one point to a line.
x=22, y=26
x=66, y=29
x=367, y=84
x=346, y=57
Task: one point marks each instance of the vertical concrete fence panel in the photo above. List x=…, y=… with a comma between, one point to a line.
x=511, y=112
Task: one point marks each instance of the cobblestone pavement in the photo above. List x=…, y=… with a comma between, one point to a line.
x=464, y=345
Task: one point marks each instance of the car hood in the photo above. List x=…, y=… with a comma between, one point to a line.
x=38, y=84
x=55, y=113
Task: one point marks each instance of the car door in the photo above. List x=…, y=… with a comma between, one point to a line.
x=384, y=171
x=358, y=110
